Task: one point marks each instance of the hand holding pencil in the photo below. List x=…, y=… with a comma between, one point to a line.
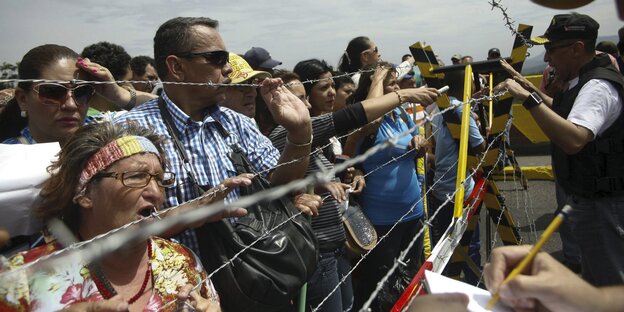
x=526, y=261
x=544, y=284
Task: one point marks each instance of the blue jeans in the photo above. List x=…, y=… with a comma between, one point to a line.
x=598, y=226
x=328, y=274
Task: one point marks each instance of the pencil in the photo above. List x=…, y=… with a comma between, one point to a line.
x=552, y=227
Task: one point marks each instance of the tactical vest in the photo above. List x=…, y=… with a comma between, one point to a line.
x=598, y=169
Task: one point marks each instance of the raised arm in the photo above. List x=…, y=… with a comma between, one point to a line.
x=291, y=113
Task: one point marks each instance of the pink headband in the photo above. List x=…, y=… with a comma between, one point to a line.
x=121, y=148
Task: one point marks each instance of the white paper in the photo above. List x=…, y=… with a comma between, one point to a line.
x=439, y=284
x=23, y=169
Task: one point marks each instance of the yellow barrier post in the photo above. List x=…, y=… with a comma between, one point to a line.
x=491, y=103
x=463, y=144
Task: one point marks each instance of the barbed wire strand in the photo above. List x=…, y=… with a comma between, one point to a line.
x=164, y=211
x=81, y=244
x=179, y=83
x=509, y=22
x=392, y=228
x=249, y=246
x=404, y=253
x=204, y=211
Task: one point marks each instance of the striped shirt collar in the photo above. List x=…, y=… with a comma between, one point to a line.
x=182, y=120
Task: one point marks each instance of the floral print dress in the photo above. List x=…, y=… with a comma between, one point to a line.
x=172, y=265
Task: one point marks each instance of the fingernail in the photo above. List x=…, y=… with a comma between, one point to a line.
x=94, y=71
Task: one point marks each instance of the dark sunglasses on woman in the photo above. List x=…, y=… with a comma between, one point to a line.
x=51, y=93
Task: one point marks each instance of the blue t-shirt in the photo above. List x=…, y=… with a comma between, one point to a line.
x=446, y=152
x=394, y=189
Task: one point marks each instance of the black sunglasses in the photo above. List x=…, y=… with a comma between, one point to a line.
x=56, y=94
x=550, y=47
x=217, y=58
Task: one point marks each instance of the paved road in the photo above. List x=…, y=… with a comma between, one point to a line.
x=532, y=209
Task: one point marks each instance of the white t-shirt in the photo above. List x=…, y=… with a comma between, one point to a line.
x=596, y=107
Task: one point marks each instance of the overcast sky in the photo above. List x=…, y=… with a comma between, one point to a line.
x=291, y=30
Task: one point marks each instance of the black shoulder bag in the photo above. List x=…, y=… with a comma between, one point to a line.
x=267, y=276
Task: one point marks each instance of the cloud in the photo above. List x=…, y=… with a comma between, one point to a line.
x=290, y=30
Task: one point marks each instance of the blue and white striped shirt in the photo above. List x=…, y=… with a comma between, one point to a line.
x=24, y=138
x=207, y=149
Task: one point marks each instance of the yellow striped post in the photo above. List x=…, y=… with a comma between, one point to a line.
x=463, y=144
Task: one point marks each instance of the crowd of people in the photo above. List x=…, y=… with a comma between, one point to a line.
x=161, y=132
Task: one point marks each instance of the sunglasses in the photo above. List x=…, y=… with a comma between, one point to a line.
x=56, y=94
x=550, y=48
x=375, y=49
x=217, y=58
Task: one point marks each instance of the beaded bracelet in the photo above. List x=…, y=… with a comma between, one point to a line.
x=300, y=145
x=399, y=96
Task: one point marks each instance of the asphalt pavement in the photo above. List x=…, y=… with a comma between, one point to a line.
x=532, y=209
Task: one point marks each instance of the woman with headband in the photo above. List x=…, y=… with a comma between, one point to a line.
x=106, y=177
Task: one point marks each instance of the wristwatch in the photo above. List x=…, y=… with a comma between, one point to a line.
x=533, y=100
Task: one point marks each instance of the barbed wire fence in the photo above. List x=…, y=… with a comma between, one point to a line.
x=102, y=244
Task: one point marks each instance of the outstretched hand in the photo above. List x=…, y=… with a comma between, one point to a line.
x=546, y=284
x=308, y=204
x=422, y=96
x=420, y=144
x=219, y=193
x=286, y=108
x=516, y=76
x=514, y=88
x=191, y=300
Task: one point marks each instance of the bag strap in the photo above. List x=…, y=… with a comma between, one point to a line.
x=174, y=133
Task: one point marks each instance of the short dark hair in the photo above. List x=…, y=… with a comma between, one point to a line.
x=607, y=47
x=350, y=60
x=590, y=45
x=286, y=75
x=310, y=70
x=112, y=56
x=340, y=79
x=138, y=64
x=176, y=36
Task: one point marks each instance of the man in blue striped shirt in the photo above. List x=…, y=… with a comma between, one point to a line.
x=190, y=50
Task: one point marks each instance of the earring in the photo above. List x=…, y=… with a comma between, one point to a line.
x=23, y=114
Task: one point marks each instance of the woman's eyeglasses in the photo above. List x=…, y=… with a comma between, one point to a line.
x=56, y=94
x=138, y=179
x=217, y=58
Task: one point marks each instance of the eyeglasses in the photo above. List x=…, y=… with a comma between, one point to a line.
x=550, y=48
x=56, y=94
x=375, y=49
x=217, y=58
x=138, y=179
